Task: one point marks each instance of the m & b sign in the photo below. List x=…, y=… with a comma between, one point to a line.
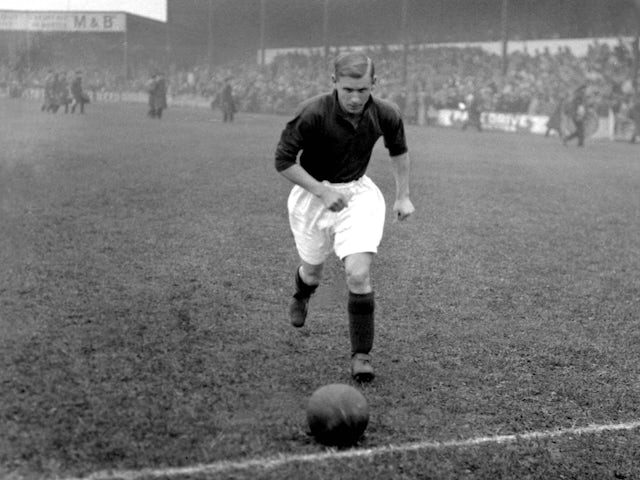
x=63, y=21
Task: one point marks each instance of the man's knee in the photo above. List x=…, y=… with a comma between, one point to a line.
x=358, y=274
x=358, y=280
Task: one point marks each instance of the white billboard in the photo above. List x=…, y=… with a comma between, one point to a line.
x=63, y=21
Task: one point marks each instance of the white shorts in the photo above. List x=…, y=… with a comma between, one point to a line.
x=357, y=228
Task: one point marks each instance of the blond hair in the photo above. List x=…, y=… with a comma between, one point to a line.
x=354, y=65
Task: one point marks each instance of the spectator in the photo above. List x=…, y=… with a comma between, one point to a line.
x=227, y=102
x=79, y=97
x=578, y=113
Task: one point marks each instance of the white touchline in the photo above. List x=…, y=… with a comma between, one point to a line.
x=280, y=460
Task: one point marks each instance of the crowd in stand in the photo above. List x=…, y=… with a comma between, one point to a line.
x=444, y=77
x=434, y=77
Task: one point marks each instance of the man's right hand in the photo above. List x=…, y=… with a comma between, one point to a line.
x=333, y=200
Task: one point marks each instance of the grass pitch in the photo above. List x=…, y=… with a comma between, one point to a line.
x=146, y=269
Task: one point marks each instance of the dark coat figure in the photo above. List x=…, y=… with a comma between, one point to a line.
x=78, y=95
x=474, y=112
x=151, y=89
x=157, y=89
x=49, y=92
x=578, y=113
x=62, y=93
x=227, y=103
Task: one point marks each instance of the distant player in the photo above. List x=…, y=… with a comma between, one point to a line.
x=151, y=88
x=227, y=102
x=634, y=114
x=77, y=93
x=555, y=121
x=157, y=89
x=333, y=204
x=62, y=92
x=49, y=91
x=473, y=103
x=578, y=113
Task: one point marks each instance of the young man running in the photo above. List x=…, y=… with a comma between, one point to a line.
x=333, y=204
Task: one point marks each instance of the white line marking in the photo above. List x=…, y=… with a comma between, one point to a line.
x=280, y=460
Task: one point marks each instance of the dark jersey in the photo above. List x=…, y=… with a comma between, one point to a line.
x=332, y=147
x=76, y=88
x=227, y=95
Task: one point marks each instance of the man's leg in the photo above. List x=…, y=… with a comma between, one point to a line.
x=307, y=279
x=361, y=306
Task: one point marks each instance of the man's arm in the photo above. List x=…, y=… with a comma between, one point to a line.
x=402, y=207
x=331, y=198
x=290, y=144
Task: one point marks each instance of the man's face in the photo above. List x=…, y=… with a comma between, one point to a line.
x=353, y=93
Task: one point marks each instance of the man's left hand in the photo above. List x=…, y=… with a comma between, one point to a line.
x=402, y=208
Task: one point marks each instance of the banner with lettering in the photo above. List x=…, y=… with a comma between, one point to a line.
x=517, y=122
x=507, y=122
x=63, y=21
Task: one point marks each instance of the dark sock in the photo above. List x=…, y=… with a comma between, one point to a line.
x=302, y=289
x=361, y=308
